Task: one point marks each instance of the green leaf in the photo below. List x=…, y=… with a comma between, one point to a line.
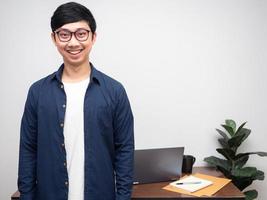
x=229, y=129
x=240, y=127
x=259, y=153
x=244, y=131
x=245, y=172
x=241, y=161
x=231, y=123
x=251, y=194
x=229, y=154
x=215, y=162
x=236, y=141
x=259, y=175
x=223, y=143
x=223, y=134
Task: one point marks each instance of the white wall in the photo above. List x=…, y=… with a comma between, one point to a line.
x=187, y=65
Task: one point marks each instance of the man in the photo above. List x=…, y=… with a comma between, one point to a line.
x=77, y=139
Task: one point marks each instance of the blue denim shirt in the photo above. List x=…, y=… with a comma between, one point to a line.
x=108, y=141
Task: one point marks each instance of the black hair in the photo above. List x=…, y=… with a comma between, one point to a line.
x=72, y=12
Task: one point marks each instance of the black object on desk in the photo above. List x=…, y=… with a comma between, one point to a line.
x=188, y=162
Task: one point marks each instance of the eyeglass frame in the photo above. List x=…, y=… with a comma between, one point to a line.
x=72, y=33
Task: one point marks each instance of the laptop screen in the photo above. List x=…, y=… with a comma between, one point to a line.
x=158, y=165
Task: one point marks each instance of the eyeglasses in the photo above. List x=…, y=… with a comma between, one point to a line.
x=64, y=35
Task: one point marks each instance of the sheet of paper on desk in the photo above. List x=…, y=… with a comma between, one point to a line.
x=191, y=183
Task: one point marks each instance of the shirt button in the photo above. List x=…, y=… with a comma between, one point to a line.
x=61, y=86
x=65, y=164
x=64, y=106
x=61, y=124
x=62, y=144
x=66, y=183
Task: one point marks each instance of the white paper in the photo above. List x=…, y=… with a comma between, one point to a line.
x=191, y=183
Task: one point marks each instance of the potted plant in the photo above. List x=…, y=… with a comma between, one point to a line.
x=233, y=165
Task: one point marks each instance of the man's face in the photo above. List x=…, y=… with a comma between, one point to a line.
x=72, y=44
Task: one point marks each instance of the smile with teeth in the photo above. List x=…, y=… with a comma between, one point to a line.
x=74, y=52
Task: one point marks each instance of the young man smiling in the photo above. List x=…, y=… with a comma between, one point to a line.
x=77, y=140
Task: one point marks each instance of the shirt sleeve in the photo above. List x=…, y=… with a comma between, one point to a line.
x=27, y=150
x=124, y=147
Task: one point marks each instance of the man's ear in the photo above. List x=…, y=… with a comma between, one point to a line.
x=53, y=37
x=94, y=37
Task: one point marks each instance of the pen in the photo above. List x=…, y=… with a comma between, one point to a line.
x=184, y=183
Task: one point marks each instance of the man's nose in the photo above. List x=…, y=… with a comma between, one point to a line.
x=73, y=41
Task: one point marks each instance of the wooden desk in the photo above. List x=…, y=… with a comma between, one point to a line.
x=154, y=192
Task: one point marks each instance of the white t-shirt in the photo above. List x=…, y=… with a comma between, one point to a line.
x=74, y=137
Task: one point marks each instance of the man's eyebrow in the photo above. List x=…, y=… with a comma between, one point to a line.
x=65, y=29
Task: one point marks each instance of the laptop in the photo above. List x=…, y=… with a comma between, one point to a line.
x=158, y=165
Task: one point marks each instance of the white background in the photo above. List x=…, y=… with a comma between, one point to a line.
x=186, y=65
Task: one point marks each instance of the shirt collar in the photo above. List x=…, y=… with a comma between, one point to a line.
x=94, y=76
